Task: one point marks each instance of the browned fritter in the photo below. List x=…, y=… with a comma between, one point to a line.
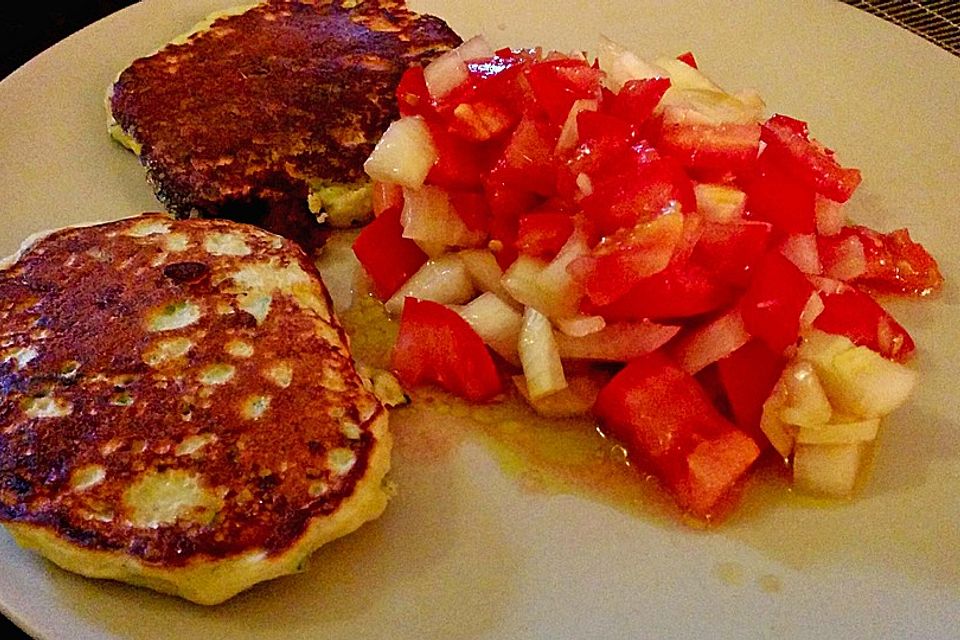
x=203, y=354
x=238, y=119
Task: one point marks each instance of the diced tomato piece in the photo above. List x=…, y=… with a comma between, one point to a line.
x=527, y=161
x=895, y=263
x=557, y=84
x=387, y=257
x=592, y=125
x=667, y=424
x=543, y=234
x=458, y=162
x=854, y=314
x=729, y=250
x=386, y=196
x=638, y=99
x=628, y=256
x=748, y=375
x=772, y=304
x=679, y=291
x=597, y=156
x=688, y=59
x=724, y=147
x=435, y=344
x=494, y=76
x=413, y=97
x=472, y=208
x=641, y=189
x=777, y=196
x=810, y=161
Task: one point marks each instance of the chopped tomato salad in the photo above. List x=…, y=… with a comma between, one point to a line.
x=547, y=219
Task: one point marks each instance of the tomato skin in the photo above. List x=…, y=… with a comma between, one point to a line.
x=777, y=196
x=772, y=304
x=666, y=422
x=679, y=291
x=688, y=59
x=387, y=257
x=593, y=125
x=718, y=148
x=812, y=163
x=435, y=344
x=638, y=99
x=557, y=84
x=413, y=97
x=854, y=314
x=747, y=376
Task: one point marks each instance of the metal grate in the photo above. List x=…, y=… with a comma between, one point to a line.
x=936, y=20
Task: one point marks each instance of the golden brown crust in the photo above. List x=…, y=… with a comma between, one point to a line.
x=243, y=116
x=199, y=353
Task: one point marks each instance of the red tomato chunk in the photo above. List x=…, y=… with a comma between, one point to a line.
x=436, y=345
x=666, y=422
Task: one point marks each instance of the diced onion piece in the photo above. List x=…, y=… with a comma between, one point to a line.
x=711, y=342
x=475, y=48
x=811, y=310
x=827, y=469
x=445, y=74
x=556, y=273
x=584, y=184
x=866, y=384
x=621, y=65
x=858, y=381
x=539, y=356
x=806, y=402
x=576, y=400
x=842, y=433
x=683, y=76
x=801, y=250
x=706, y=106
x=617, y=342
x=496, y=322
x=548, y=287
x=849, y=261
x=485, y=272
x=569, y=134
x=781, y=435
x=719, y=202
x=449, y=71
x=579, y=326
x=432, y=249
x=444, y=280
x=404, y=154
x=428, y=217
x=522, y=282
x=829, y=216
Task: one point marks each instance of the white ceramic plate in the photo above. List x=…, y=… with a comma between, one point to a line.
x=464, y=550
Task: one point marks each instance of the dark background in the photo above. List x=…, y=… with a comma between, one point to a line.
x=24, y=33
x=33, y=27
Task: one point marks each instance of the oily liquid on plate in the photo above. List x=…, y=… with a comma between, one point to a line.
x=554, y=456
x=548, y=455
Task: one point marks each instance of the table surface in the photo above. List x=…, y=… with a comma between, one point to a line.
x=41, y=25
